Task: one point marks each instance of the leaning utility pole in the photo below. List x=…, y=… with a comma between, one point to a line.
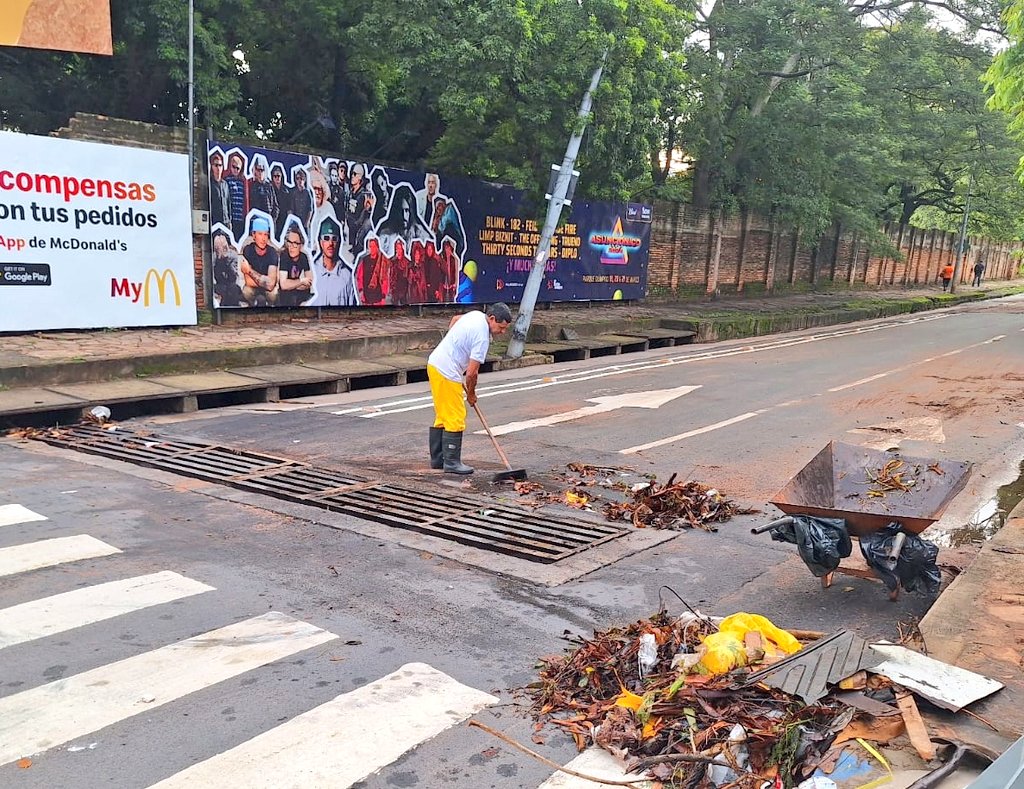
x=958, y=266
x=517, y=343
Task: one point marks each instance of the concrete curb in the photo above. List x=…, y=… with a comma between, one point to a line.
x=66, y=372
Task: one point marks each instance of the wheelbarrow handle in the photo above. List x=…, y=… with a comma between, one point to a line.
x=775, y=524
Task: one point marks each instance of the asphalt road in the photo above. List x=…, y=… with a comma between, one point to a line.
x=365, y=602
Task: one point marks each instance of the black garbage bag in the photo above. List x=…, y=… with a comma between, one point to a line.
x=915, y=569
x=821, y=542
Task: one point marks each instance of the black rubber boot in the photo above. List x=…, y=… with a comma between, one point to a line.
x=436, y=455
x=452, y=450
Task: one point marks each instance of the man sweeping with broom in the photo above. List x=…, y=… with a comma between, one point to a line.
x=460, y=353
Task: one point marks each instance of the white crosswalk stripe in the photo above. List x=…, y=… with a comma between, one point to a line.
x=47, y=553
x=596, y=763
x=328, y=745
x=11, y=514
x=60, y=612
x=333, y=745
x=38, y=719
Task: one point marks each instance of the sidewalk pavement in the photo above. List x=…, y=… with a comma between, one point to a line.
x=978, y=624
x=65, y=357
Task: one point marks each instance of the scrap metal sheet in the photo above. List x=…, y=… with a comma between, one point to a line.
x=946, y=686
x=808, y=673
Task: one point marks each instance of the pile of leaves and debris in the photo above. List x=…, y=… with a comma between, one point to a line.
x=896, y=476
x=674, y=505
x=659, y=695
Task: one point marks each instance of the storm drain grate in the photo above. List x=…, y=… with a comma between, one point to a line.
x=500, y=528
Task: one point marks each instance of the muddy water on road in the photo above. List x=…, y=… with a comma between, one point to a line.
x=988, y=519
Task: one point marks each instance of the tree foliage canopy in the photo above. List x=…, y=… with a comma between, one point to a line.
x=815, y=111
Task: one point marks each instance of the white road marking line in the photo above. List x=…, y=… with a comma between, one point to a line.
x=345, y=740
x=53, y=714
x=867, y=380
x=80, y=607
x=512, y=387
x=46, y=553
x=691, y=433
x=11, y=514
x=788, y=403
x=653, y=399
x=598, y=763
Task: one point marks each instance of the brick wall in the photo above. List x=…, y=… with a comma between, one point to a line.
x=695, y=251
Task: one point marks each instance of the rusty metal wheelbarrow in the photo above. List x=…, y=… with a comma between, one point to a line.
x=837, y=483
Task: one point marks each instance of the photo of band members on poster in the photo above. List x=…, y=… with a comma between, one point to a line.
x=328, y=233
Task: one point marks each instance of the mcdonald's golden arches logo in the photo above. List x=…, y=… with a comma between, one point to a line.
x=161, y=286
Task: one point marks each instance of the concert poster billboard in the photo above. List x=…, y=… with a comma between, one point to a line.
x=299, y=230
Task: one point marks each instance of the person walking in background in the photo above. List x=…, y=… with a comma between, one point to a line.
x=947, y=276
x=979, y=269
x=460, y=353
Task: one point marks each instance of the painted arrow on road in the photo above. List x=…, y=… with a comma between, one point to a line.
x=602, y=405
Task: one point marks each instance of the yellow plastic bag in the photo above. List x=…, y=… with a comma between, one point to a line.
x=738, y=625
x=722, y=652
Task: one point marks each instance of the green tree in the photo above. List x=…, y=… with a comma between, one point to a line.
x=837, y=111
x=490, y=89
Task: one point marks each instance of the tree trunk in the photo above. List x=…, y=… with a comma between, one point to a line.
x=702, y=185
x=341, y=98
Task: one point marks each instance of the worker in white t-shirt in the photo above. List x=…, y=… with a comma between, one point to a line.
x=460, y=353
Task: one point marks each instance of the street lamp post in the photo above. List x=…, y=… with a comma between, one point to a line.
x=191, y=104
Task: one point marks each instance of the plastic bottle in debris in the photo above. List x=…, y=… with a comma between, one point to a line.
x=721, y=773
x=647, y=655
x=818, y=782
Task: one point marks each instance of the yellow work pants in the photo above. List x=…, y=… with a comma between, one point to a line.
x=449, y=402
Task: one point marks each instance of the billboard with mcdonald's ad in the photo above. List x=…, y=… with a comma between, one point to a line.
x=93, y=236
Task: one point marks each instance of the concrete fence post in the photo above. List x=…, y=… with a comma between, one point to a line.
x=714, y=254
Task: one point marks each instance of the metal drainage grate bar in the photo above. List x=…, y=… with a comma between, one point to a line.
x=187, y=457
x=514, y=531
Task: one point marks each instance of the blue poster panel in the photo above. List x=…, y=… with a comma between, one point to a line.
x=291, y=230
